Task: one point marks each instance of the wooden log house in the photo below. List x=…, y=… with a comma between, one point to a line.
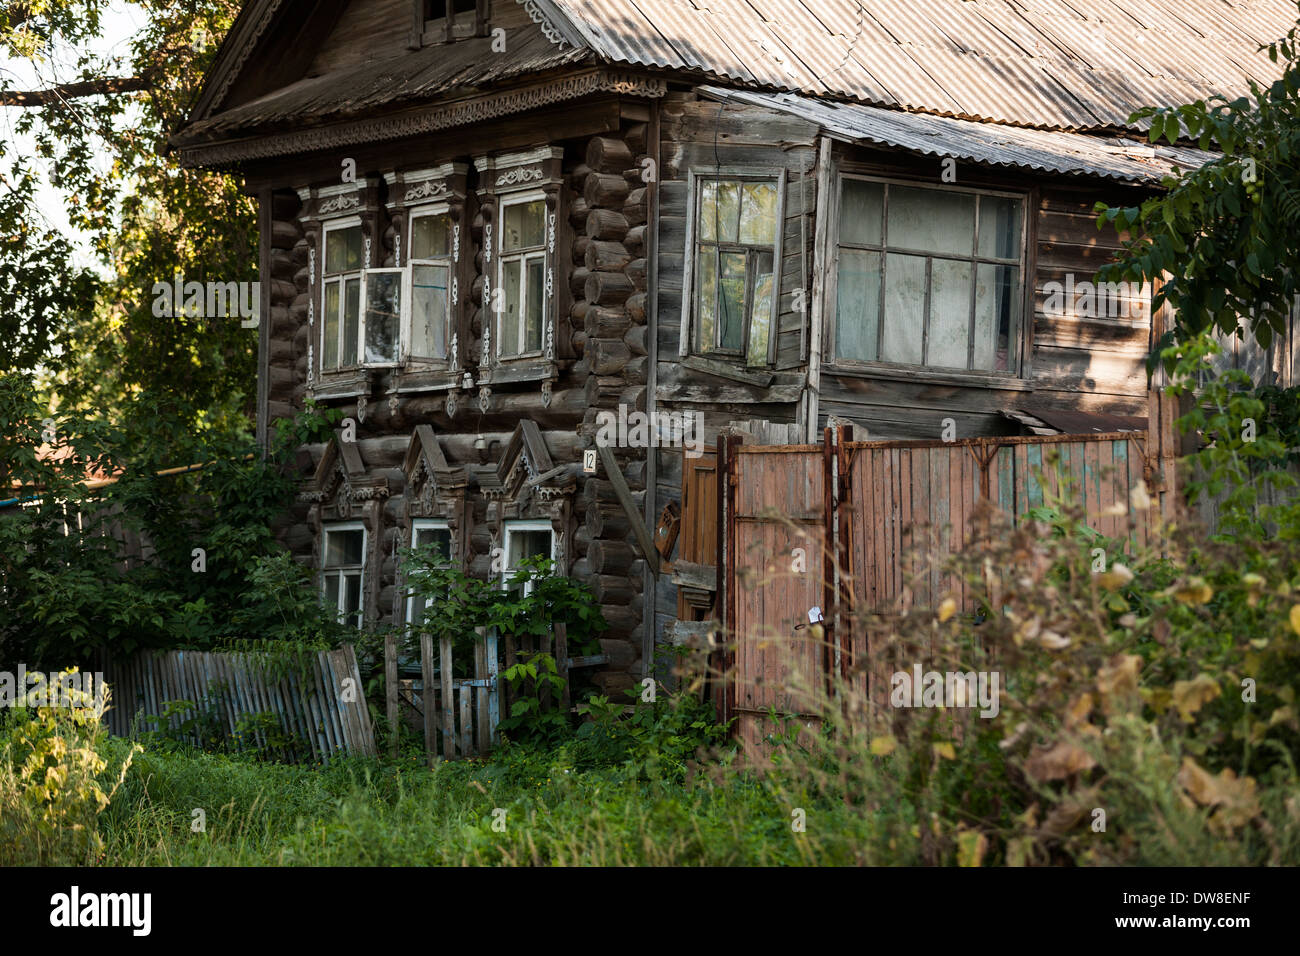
x=486, y=222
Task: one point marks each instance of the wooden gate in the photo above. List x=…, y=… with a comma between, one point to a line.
x=864, y=514
x=776, y=560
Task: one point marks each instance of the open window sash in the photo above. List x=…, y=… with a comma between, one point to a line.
x=384, y=301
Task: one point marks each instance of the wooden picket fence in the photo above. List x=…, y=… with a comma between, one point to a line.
x=321, y=710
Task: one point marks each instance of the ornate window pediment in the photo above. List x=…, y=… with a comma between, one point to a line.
x=341, y=488
x=434, y=488
x=526, y=484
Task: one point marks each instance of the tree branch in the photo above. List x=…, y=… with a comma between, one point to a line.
x=104, y=86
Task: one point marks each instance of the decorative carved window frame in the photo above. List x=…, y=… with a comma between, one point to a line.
x=527, y=485
x=445, y=29
x=430, y=190
x=437, y=491
x=502, y=176
x=322, y=205
x=342, y=491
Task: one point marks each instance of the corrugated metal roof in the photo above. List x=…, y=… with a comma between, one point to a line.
x=1046, y=151
x=1084, y=64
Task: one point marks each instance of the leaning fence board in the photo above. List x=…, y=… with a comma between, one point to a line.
x=232, y=687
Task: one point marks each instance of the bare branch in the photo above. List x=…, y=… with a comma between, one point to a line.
x=105, y=86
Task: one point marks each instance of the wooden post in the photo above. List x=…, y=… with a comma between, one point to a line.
x=448, y=700
x=480, y=694
x=430, y=699
x=562, y=662
x=390, y=690
x=494, y=698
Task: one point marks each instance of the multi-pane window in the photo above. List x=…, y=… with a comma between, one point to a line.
x=736, y=259
x=430, y=259
x=526, y=539
x=423, y=533
x=521, y=276
x=928, y=277
x=343, y=568
x=341, y=300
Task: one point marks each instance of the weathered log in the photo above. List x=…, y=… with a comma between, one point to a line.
x=284, y=234
x=610, y=557
x=608, y=356
x=634, y=241
x=606, y=189
x=579, y=176
x=636, y=307
x=636, y=369
x=580, y=250
x=635, y=208
x=606, y=323
x=578, y=211
x=579, y=342
x=636, y=271
x=606, y=154
x=607, y=224
x=635, y=137
x=606, y=288
x=611, y=588
x=633, y=398
x=607, y=256
x=620, y=618
x=578, y=282
x=607, y=523
x=635, y=339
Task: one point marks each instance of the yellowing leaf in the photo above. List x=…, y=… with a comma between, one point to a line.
x=947, y=608
x=1058, y=762
x=883, y=746
x=1190, y=695
x=1295, y=618
x=945, y=750
x=1118, y=680
x=1195, y=592
x=971, y=846
x=1233, y=802
x=1114, y=579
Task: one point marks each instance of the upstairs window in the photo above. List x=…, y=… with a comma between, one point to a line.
x=343, y=571
x=928, y=277
x=521, y=275
x=430, y=258
x=736, y=255
x=341, y=302
x=442, y=20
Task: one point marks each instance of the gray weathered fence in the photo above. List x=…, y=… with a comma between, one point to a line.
x=321, y=708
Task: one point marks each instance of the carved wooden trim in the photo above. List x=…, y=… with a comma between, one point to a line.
x=464, y=112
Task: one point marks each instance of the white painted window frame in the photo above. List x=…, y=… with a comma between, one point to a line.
x=341, y=278
x=417, y=525
x=523, y=257
x=509, y=528
x=340, y=526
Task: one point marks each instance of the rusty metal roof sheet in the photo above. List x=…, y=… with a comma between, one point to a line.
x=1085, y=64
x=1048, y=151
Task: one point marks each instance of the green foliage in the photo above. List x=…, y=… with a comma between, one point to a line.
x=535, y=716
x=1220, y=240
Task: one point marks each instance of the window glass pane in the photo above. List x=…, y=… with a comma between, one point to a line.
x=931, y=220
x=383, y=314
x=535, y=299
x=731, y=306
x=352, y=597
x=330, y=336
x=430, y=237
x=351, y=319
x=708, y=224
x=861, y=209
x=343, y=548
x=510, y=319
x=760, y=325
x=429, y=311
x=999, y=227
x=857, y=307
x=706, y=274
x=529, y=544
x=728, y=216
x=525, y=225
x=758, y=214
x=949, y=313
x=997, y=312
x=343, y=249
x=904, y=306
x=332, y=590
x=434, y=536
